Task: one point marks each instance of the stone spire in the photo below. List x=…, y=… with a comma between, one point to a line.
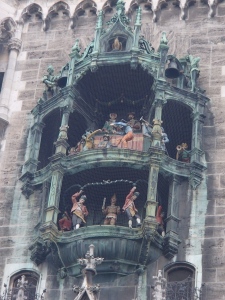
x=87, y=290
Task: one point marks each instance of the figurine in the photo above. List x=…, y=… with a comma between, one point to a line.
x=89, y=139
x=194, y=70
x=182, y=153
x=78, y=210
x=159, y=219
x=105, y=143
x=107, y=127
x=117, y=45
x=111, y=211
x=127, y=133
x=146, y=128
x=134, y=124
x=130, y=208
x=50, y=80
x=65, y=223
x=164, y=139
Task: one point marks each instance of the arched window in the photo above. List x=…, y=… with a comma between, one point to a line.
x=180, y=280
x=23, y=285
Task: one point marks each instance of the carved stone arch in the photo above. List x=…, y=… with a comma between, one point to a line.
x=84, y=8
x=184, y=7
x=108, y=6
x=154, y=6
x=60, y=8
x=23, y=282
x=7, y=29
x=32, y=10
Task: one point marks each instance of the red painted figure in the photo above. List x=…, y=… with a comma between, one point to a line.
x=78, y=210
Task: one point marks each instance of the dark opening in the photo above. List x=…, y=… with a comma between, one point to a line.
x=1, y=79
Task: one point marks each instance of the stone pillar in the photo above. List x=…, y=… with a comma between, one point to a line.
x=198, y=122
x=173, y=205
x=152, y=191
x=61, y=143
x=54, y=195
x=171, y=239
x=14, y=48
x=34, y=144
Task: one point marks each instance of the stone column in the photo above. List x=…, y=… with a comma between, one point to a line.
x=171, y=239
x=198, y=122
x=61, y=143
x=54, y=195
x=34, y=144
x=173, y=205
x=152, y=191
x=14, y=48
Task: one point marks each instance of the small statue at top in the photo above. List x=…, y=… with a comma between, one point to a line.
x=194, y=61
x=117, y=45
x=50, y=80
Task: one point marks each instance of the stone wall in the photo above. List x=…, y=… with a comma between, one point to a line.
x=201, y=231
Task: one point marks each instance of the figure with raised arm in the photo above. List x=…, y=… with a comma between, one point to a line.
x=125, y=130
x=130, y=209
x=134, y=124
x=110, y=211
x=108, y=128
x=78, y=210
x=88, y=138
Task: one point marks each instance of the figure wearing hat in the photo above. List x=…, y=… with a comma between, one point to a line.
x=107, y=127
x=78, y=210
x=134, y=124
x=88, y=138
x=105, y=143
x=124, y=129
x=111, y=211
x=130, y=209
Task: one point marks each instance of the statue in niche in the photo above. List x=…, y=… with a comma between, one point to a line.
x=65, y=223
x=134, y=124
x=50, y=80
x=117, y=45
x=88, y=138
x=110, y=211
x=159, y=219
x=107, y=127
x=105, y=143
x=194, y=61
x=125, y=130
x=79, y=210
x=130, y=209
x=182, y=153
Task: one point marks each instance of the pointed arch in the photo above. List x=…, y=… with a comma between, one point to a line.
x=54, y=9
x=85, y=5
x=32, y=9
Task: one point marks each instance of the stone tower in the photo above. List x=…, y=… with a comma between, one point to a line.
x=118, y=104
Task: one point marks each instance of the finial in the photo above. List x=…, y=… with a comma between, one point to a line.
x=138, y=17
x=163, y=39
x=99, y=20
